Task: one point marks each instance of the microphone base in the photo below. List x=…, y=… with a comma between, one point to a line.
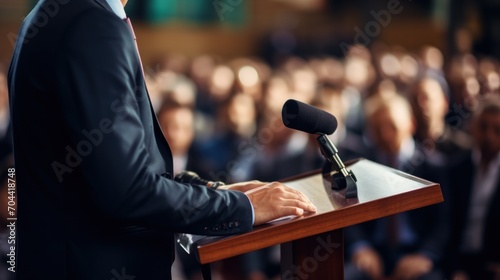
x=340, y=182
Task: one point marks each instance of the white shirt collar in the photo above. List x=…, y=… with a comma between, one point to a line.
x=117, y=7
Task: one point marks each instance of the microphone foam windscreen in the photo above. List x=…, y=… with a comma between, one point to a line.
x=307, y=118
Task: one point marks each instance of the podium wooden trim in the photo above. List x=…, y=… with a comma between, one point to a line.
x=303, y=237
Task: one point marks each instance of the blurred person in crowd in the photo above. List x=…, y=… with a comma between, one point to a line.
x=224, y=153
x=220, y=85
x=430, y=105
x=474, y=250
x=432, y=59
x=410, y=70
x=384, y=87
x=491, y=83
x=462, y=66
x=249, y=77
x=329, y=71
x=177, y=122
x=388, y=66
x=464, y=85
x=398, y=65
x=95, y=191
x=304, y=84
x=276, y=91
x=465, y=94
x=408, y=245
x=359, y=75
x=433, y=66
x=182, y=91
x=200, y=70
x=488, y=76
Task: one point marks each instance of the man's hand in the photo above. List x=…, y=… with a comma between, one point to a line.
x=369, y=261
x=243, y=186
x=412, y=267
x=275, y=200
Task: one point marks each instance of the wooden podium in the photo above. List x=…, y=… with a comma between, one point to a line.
x=312, y=245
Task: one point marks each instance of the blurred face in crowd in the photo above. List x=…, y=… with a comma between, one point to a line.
x=250, y=81
x=333, y=102
x=178, y=128
x=241, y=113
x=409, y=69
x=432, y=57
x=184, y=92
x=221, y=82
x=357, y=72
x=486, y=133
x=389, y=126
x=276, y=94
x=304, y=85
x=431, y=101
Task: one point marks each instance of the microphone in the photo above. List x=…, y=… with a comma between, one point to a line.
x=307, y=118
x=190, y=177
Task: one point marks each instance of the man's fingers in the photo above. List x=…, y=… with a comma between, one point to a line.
x=290, y=210
x=295, y=197
x=299, y=204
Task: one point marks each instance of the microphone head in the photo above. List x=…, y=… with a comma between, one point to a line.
x=307, y=118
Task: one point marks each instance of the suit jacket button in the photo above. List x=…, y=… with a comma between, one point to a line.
x=231, y=225
x=236, y=224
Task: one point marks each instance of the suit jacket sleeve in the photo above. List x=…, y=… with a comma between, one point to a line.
x=96, y=73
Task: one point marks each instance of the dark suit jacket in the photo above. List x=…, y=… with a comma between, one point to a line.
x=430, y=224
x=92, y=166
x=462, y=176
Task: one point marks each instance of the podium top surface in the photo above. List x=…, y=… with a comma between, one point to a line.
x=382, y=191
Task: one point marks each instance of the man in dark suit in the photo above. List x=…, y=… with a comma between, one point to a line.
x=95, y=195
x=475, y=179
x=408, y=245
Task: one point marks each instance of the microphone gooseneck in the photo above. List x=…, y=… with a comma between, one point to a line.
x=307, y=118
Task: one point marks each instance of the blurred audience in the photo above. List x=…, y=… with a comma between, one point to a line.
x=474, y=249
x=408, y=110
x=413, y=111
